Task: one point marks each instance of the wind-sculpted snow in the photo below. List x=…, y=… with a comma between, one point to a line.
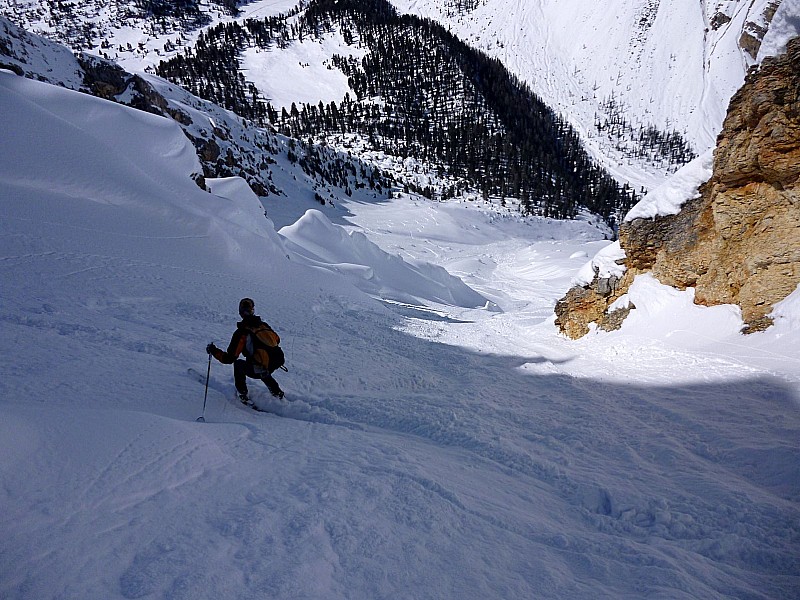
x=314, y=238
x=457, y=453
x=57, y=121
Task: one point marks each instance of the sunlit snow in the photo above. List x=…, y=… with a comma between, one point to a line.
x=302, y=72
x=439, y=438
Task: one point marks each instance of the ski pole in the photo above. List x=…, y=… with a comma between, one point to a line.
x=202, y=418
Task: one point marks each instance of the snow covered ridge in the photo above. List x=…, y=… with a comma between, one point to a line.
x=226, y=144
x=218, y=135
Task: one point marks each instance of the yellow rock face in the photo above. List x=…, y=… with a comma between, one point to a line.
x=739, y=243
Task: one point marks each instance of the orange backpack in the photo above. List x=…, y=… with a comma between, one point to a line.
x=266, y=352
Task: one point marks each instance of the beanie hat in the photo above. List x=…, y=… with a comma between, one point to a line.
x=246, y=307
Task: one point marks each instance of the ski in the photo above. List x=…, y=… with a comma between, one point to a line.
x=252, y=405
x=222, y=389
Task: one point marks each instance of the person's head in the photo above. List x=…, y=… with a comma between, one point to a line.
x=247, y=308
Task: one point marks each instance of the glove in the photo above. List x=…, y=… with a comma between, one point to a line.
x=211, y=348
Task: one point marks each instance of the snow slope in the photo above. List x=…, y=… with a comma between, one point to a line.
x=432, y=449
x=673, y=64
x=300, y=72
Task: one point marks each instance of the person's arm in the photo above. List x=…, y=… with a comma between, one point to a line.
x=226, y=357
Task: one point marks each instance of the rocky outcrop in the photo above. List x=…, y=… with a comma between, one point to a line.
x=590, y=304
x=739, y=241
x=109, y=81
x=748, y=250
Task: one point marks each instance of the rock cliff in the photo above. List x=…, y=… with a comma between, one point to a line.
x=739, y=241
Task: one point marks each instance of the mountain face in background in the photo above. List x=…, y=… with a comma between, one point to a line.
x=565, y=95
x=418, y=92
x=615, y=68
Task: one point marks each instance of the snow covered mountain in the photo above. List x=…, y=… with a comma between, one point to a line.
x=669, y=64
x=618, y=72
x=441, y=439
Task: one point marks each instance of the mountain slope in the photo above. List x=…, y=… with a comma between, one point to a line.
x=669, y=64
x=457, y=452
x=618, y=72
x=418, y=93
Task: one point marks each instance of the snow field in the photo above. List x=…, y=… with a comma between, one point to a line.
x=302, y=72
x=436, y=445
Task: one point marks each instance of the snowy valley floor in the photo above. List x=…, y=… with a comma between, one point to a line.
x=441, y=443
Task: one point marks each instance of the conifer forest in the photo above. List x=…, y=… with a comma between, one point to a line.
x=418, y=92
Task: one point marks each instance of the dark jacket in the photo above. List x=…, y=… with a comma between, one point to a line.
x=238, y=343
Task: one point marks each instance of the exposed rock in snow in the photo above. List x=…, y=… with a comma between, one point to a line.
x=738, y=241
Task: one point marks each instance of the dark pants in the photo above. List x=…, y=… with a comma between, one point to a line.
x=243, y=369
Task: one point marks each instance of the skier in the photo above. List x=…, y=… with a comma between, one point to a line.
x=259, y=344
